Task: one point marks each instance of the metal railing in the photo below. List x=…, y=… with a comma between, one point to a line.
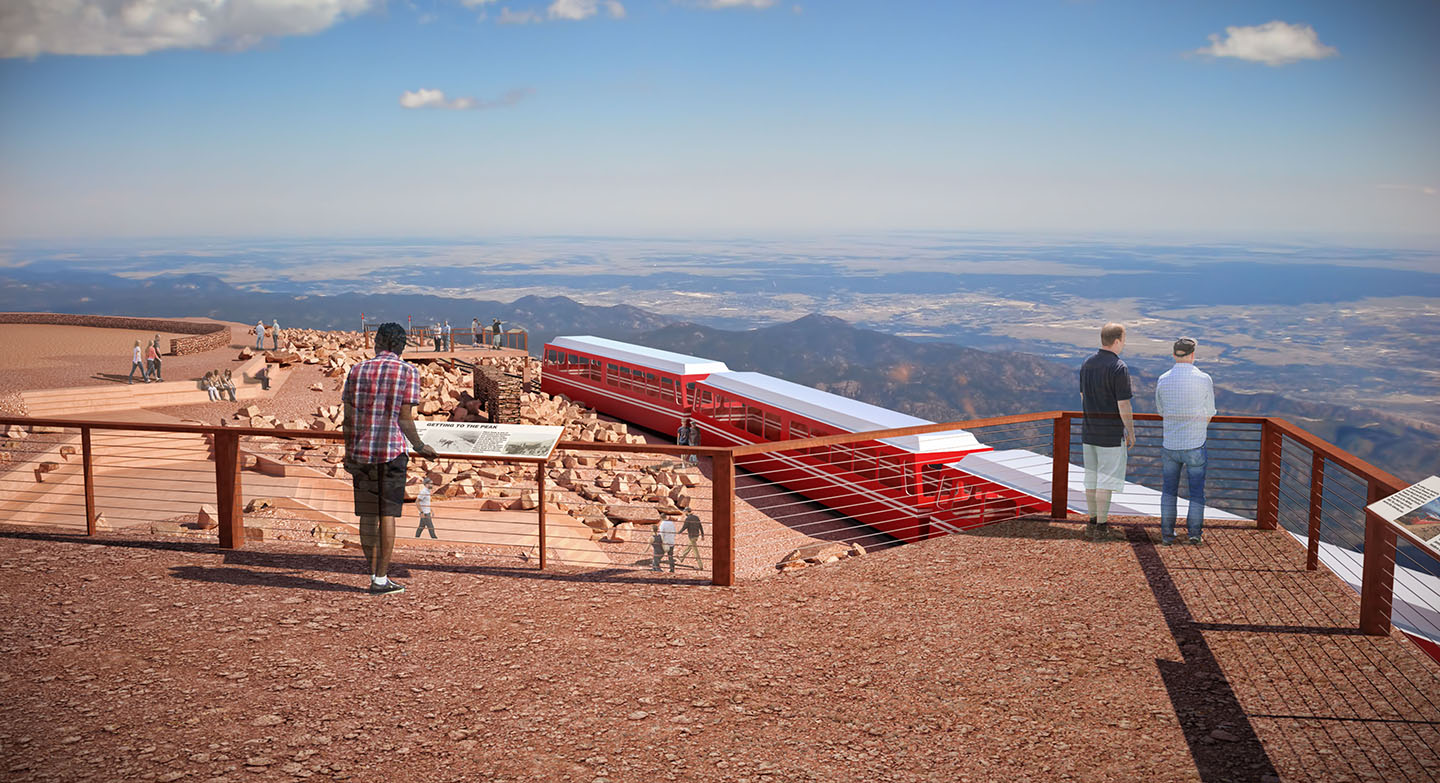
x=1264, y=469
x=422, y=338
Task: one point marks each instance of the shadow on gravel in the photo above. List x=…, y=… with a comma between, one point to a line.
x=1032, y=528
x=354, y=565
x=1222, y=741
x=247, y=578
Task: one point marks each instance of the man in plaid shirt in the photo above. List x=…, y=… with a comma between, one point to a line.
x=1185, y=400
x=380, y=397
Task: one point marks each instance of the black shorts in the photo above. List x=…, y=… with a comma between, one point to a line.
x=379, y=487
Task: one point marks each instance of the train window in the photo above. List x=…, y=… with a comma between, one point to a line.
x=798, y=431
x=865, y=462
x=754, y=420
x=652, y=385
x=573, y=360
x=930, y=478
x=552, y=356
x=667, y=389
x=707, y=400
x=772, y=426
x=612, y=375
x=595, y=373
x=892, y=473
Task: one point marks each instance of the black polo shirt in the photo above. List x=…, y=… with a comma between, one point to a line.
x=1104, y=382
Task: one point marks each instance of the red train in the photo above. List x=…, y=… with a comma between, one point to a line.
x=909, y=487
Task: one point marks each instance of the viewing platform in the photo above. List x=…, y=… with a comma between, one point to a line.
x=1292, y=645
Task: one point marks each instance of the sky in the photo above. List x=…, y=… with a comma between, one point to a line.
x=717, y=118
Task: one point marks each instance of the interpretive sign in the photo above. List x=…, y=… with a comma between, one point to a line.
x=1416, y=509
x=469, y=439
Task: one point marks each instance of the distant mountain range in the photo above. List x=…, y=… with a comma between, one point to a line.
x=938, y=381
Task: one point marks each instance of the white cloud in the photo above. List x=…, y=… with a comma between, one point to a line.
x=29, y=28
x=435, y=99
x=518, y=17
x=1424, y=190
x=1272, y=43
x=476, y=3
x=717, y=4
x=575, y=10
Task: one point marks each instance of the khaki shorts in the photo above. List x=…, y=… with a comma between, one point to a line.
x=1105, y=467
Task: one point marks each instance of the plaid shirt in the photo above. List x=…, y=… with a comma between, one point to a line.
x=1185, y=397
x=377, y=389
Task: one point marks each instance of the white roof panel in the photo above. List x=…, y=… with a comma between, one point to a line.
x=655, y=359
x=842, y=413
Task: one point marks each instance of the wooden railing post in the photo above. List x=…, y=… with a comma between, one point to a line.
x=1317, y=499
x=722, y=520
x=1267, y=501
x=1377, y=580
x=87, y=461
x=1060, y=469
x=227, y=490
x=540, y=471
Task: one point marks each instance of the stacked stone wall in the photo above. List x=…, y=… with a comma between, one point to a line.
x=204, y=337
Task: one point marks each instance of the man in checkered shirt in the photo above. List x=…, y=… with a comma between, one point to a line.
x=380, y=397
x=1185, y=399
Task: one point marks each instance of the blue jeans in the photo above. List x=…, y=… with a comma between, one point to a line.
x=1193, y=462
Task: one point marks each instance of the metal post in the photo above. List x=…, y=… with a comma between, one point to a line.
x=1317, y=498
x=1267, y=503
x=1060, y=469
x=227, y=490
x=540, y=481
x=1377, y=580
x=722, y=559
x=87, y=463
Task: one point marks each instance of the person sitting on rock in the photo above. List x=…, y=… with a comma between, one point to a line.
x=227, y=382
x=210, y=386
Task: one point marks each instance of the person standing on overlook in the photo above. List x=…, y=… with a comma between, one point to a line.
x=476, y=333
x=1185, y=400
x=1105, y=399
x=259, y=335
x=275, y=333
x=380, y=396
x=495, y=327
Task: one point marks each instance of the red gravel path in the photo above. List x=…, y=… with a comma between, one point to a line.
x=1019, y=653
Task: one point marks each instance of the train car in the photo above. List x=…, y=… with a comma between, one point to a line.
x=646, y=386
x=910, y=486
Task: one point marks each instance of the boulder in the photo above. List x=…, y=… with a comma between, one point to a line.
x=247, y=412
x=209, y=517
x=257, y=504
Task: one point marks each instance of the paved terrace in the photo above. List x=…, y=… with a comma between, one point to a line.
x=1017, y=652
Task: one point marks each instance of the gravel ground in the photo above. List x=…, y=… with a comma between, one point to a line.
x=1019, y=654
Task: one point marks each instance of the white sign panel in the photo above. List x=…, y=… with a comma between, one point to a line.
x=471, y=439
x=1415, y=508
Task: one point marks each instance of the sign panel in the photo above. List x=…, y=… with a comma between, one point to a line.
x=1415, y=508
x=474, y=439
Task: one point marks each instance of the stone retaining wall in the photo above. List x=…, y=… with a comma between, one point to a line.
x=205, y=337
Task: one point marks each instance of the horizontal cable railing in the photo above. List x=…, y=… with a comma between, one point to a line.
x=600, y=505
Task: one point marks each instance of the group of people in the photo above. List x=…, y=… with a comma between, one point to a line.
x=274, y=335
x=218, y=383
x=1185, y=400
x=662, y=544
x=443, y=336
x=688, y=435
x=147, y=360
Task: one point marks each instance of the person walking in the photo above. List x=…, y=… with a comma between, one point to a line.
x=663, y=544
x=422, y=503
x=693, y=531
x=157, y=355
x=694, y=440
x=152, y=360
x=275, y=333
x=259, y=335
x=380, y=396
x=1185, y=400
x=137, y=363
x=1108, y=429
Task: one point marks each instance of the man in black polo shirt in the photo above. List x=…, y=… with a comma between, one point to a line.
x=1108, y=428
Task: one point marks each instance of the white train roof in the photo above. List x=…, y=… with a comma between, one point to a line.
x=655, y=359
x=842, y=413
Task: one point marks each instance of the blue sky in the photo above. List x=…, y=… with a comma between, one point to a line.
x=668, y=117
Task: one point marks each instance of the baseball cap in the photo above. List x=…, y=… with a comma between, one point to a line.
x=1184, y=346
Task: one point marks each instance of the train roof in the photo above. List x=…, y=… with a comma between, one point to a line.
x=840, y=412
x=655, y=359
